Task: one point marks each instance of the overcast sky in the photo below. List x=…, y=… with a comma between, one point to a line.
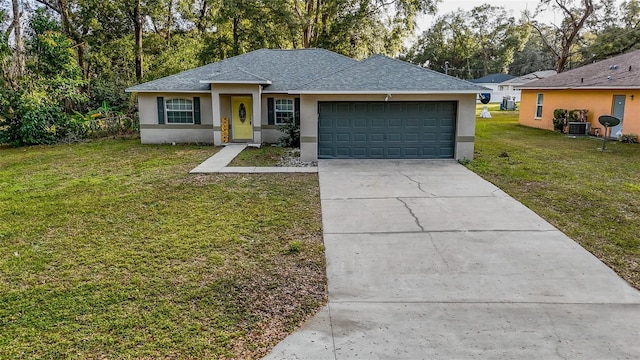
x=514, y=6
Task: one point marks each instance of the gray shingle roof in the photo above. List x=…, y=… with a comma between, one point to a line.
x=285, y=69
x=622, y=71
x=492, y=79
x=380, y=73
x=529, y=77
x=236, y=75
x=311, y=70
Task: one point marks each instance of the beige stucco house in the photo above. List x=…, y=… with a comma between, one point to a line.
x=375, y=108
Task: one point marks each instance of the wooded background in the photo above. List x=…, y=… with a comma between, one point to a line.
x=66, y=62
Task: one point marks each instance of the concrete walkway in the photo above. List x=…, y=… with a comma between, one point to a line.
x=219, y=161
x=426, y=260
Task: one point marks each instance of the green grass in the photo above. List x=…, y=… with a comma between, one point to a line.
x=263, y=156
x=111, y=249
x=590, y=195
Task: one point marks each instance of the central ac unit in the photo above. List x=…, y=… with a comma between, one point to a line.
x=579, y=128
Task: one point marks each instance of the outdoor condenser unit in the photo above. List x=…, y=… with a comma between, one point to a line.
x=579, y=128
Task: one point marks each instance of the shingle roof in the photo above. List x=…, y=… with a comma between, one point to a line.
x=236, y=75
x=520, y=80
x=622, y=71
x=311, y=70
x=492, y=79
x=380, y=73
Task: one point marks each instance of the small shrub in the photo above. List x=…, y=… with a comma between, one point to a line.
x=560, y=119
x=291, y=137
x=629, y=138
x=577, y=115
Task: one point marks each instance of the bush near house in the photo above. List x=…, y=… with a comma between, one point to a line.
x=562, y=118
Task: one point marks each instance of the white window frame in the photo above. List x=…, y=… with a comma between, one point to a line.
x=539, y=103
x=276, y=111
x=167, y=111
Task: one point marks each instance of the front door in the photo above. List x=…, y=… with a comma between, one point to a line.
x=618, y=111
x=241, y=118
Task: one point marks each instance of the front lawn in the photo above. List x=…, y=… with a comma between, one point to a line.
x=263, y=156
x=590, y=195
x=111, y=249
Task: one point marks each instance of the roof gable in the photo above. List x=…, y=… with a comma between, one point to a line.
x=622, y=71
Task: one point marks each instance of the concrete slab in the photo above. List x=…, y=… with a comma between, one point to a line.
x=221, y=159
x=532, y=266
x=485, y=331
x=425, y=260
x=428, y=214
x=400, y=184
x=314, y=340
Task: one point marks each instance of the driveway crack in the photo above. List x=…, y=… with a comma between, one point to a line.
x=415, y=218
x=417, y=183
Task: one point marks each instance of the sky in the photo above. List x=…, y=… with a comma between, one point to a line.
x=514, y=6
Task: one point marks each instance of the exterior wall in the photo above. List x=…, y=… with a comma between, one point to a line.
x=221, y=107
x=465, y=125
x=598, y=102
x=270, y=133
x=153, y=133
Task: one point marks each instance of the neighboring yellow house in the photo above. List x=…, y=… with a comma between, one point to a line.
x=607, y=87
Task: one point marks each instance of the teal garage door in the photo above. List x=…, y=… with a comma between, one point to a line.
x=386, y=130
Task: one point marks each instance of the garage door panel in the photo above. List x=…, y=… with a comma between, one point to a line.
x=343, y=137
x=394, y=137
x=360, y=123
x=360, y=137
x=411, y=137
x=386, y=129
x=395, y=123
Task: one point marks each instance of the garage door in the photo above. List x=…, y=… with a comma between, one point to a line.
x=386, y=130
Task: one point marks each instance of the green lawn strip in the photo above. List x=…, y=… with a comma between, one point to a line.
x=263, y=156
x=111, y=249
x=590, y=195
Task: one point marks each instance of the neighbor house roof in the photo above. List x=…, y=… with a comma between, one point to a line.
x=622, y=71
x=536, y=75
x=493, y=79
x=311, y=71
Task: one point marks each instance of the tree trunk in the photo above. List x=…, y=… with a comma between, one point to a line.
x=137, y=28
x=236, y=41
x=18, y=66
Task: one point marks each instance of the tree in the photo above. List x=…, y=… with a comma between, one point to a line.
x=18, y=62
x=619, y=35
x=561, y=42
x=534, y=56
x=474, y=43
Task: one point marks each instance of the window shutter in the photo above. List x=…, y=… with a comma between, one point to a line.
x=296, y=109
x=271, y=114
x=196, y=110
x=160, y=110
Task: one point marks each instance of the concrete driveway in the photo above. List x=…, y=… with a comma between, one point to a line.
x=426, y=260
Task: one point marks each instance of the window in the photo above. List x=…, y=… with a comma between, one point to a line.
x=179, y=111
x=284, y=111
x=539, y=106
